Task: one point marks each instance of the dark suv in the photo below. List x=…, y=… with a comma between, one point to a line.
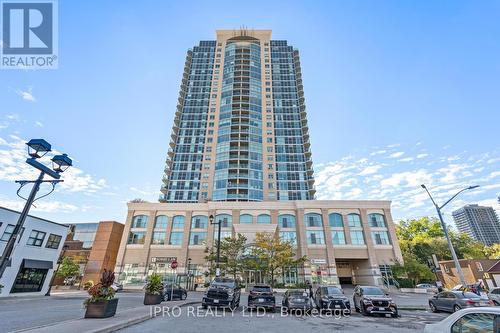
x=261, y=296
x=331, y=297
x=372, y=300
x=222, y=292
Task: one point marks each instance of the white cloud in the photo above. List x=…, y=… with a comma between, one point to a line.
x=397, y=154
x=422, y=155
x=406, y=159
x=378, y=152
x=47, y=206
x=27, y=95
x=38, y=124
x=370, y=170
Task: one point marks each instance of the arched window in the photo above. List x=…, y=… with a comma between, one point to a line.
x=335, y=220
x=161, y=222
x=246, y=219
x=376, y=220
x=313, y=220
x=199, y=222
x=140, y=221
x=354, y=220
x=286, y=221
x=178, y=222
x=225, y=220
x=264, y=218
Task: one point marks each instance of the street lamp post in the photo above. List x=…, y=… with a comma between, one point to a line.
x=37, y=148
x=217, y=263
x=445, y=229
x=59, y=261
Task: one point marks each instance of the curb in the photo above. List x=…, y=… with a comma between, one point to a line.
x=413, y=308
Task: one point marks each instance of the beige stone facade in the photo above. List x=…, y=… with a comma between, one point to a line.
x=344, y=241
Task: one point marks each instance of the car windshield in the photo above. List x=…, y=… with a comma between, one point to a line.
x=468, y=295
x=373, y=291
x=332, y=291
x=262, y=289
x=298, y=293
x=229, y=283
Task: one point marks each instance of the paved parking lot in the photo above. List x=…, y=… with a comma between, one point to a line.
x=194, y=318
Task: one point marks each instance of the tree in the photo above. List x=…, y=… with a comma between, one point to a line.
x=413, y=270
x=230, y=250
x=68, y=269
x=493, y=251
x=274, y=254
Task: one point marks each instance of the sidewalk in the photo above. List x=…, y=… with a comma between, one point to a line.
x=122, y=319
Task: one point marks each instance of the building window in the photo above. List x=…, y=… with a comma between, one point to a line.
x=335, y=220
x=36, y=238
x=140, y=221
x=178, y=222
x=354, y=220
x=246, y=219
x=357, y=237
x=313, y=220
x=176, y=238
x=286, y=221
x=158, y=238
x=380, y=238
x=479, y=266
x=264, y=219
x=315, y=238
x=29, y=280
x=161, y=222
x=136, y=237
x=197, y=238
x=289, y=236
x=338, y=238
x=199, y=222
x=9, y=229
x=225, y=220
x=53, y=241
x=376, y=220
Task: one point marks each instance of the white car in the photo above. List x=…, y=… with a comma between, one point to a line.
x=481, y=319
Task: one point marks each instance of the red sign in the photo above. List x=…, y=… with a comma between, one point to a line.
x=173, y=264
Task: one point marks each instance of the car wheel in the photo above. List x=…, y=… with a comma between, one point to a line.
x=456, y=308
x=184, y=296
x=433, y=307
x=363, y=310
x=395, y=315
x=203, y=306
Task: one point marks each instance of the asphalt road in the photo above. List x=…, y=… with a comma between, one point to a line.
x=194, y=319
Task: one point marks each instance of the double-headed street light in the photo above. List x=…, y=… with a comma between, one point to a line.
x=445, y=229
x=217, y=263
x=37, y=148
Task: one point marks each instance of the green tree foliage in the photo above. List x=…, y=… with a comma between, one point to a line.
x=493, y=251
x=68, y=269
x=230, y=250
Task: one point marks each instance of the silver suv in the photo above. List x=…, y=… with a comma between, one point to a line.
x=494, y=295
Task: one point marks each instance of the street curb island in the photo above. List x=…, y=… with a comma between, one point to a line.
x=121, y=320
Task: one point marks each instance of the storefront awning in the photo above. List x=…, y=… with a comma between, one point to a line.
x=40, y=264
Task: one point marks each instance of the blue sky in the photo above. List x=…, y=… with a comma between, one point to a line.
x=397, y=93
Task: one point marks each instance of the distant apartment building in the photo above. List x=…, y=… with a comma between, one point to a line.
x=480, y=222
x=35, y=255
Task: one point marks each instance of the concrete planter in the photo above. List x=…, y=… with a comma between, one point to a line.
x=102, y=309
x=150, y=299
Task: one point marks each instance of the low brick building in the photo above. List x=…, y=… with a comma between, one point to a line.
x=473, y=269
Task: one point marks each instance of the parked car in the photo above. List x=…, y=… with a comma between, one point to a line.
x=427, y=286
x=452, y=301
x=483, y=319
x=261, y=296
x=117, y=286
x=222, y=292
x=331, y=297
x=296, y=299
x=494, y=295
x=373, y=300
x=173, y=291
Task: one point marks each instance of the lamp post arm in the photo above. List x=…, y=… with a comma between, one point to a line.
x=453, y=197
x=430, y=196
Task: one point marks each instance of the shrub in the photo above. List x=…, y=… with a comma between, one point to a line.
x=88, y=284
x=405, y=283
x=102, y=291
x=154, y=286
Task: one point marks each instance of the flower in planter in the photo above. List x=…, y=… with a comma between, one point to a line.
x=154, y=286
x=102, y=291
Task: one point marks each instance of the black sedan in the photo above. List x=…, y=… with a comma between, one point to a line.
x=296, y=299
x=261, y=296
x=331, y=297
x=173, y=291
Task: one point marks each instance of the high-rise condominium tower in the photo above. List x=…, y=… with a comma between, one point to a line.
x=240, y=130
x=481, y=223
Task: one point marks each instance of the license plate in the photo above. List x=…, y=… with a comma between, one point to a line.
x=216, y=301
x=337, y=306
x=381, y=309
x=261, y=300
x=300, y=300
x=484, y=303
